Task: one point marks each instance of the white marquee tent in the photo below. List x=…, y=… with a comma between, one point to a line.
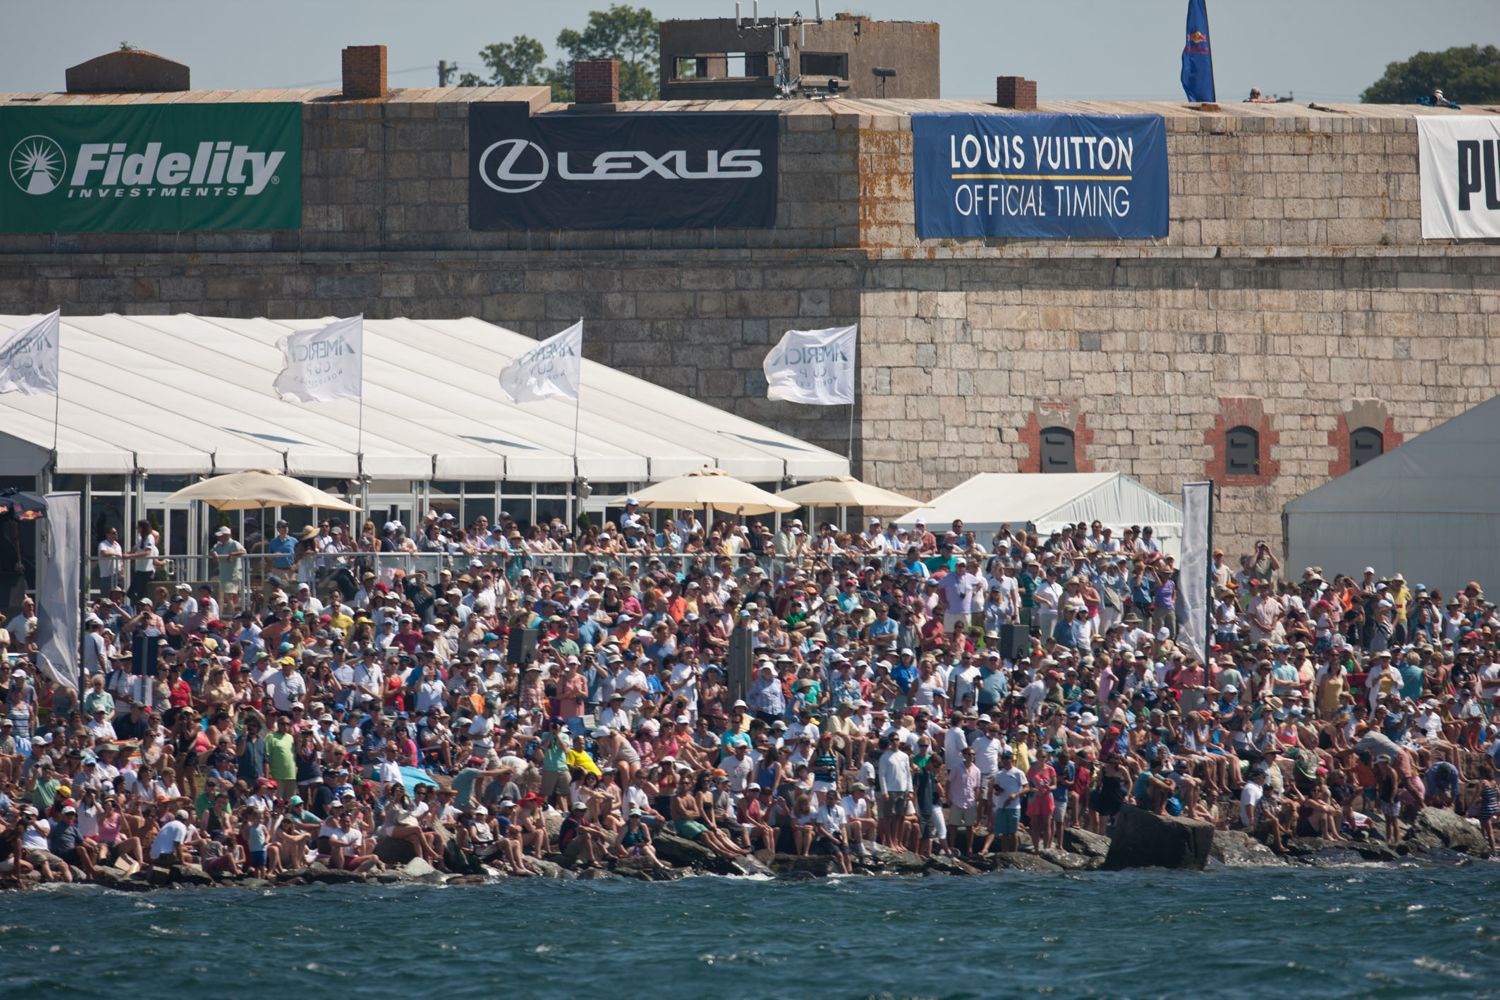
x=1047, y=501
x=191, y=395
x=1429, y=510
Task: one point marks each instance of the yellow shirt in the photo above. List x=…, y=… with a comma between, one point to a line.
x=1023, y=756
x=577, y=758
x=1401, y=599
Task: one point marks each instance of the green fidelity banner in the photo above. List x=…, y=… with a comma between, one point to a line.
x=151, y=168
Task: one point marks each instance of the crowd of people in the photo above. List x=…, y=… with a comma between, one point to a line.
x=747, y=687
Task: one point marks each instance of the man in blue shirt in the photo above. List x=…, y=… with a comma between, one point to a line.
x=905, y=672
x=883, y=629
x=282, y=546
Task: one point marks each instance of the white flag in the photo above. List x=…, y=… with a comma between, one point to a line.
x=552, y=368
x=29, y=359
x=325, y=363
x=813, y=366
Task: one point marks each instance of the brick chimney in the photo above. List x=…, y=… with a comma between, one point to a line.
x=364, y=71
x=1015, y=92
x=596, y=81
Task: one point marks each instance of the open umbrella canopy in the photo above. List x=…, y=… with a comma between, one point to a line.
x=22, y=505
x=846, y=491
x=712, y=488
x=258, y=489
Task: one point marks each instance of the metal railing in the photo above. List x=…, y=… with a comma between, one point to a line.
x=259, y=574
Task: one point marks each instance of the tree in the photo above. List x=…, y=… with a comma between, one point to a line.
x=1465, y=74
x=626, y=33
x=622, y=32
x=516, y=63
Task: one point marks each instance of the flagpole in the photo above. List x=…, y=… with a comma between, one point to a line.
x=56, y=415
x=1209, y=32
x=577, y=406
x=577, y=409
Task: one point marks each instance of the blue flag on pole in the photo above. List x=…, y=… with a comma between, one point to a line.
x=1197, y=56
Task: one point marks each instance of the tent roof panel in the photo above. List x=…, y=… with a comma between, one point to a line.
x=189, y=394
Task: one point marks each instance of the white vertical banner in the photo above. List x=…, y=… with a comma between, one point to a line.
x=57, y=597
x=325, y=363
x=29, y=359
x=551, y=369
x=1192, y=587
x=813, y=366
x=1458, y=160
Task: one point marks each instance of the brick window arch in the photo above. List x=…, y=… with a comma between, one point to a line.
x=1242, y=451
x=1059, y=453
x=1365, y=445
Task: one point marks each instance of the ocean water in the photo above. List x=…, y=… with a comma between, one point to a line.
x=1354, y=931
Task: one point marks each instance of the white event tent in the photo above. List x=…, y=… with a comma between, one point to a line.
x=1045, y=502
x=1429, y=510
x=150, y=403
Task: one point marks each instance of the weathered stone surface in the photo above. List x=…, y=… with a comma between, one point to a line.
x=418, y=867
x=393, y=851
x=675, y=850
x=1435, y=828
x=1069, y=861
x=550, y=869
x=1237, y=849
x=1026, y=862
x=1141, y=839
x=1085, y=842
x=812, y=864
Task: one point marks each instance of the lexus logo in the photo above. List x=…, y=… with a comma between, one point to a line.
x=513, y=166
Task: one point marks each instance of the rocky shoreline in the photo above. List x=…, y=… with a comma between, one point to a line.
x=1140, y=840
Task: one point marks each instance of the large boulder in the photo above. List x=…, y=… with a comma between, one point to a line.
x=1069, y=861
x=110, y=878
x=945, y=865
x=394, y=851
x=1085, y=842
x=815, y=865
x=1237, y=849
x=1142, y=839
x=1438, y=828
x=1025, y=861
x=894, y=862
x=417, y=868
x=683, y=853
x=550, y=869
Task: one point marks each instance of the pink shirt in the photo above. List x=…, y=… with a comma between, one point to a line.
x=963, y=786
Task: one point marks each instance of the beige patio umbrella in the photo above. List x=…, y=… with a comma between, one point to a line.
x=258, y=490
x=846, y=491
x=712, y=489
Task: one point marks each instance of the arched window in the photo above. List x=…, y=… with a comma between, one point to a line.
x=1242, y=451
x=1057, y=450
x=1365, y=445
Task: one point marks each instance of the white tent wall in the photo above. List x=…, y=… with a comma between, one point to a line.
x=992, y=500
x=1443, y=551
x=1429, y=509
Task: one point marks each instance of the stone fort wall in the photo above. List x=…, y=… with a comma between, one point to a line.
x=1293, y=294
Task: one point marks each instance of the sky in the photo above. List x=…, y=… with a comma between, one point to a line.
x=1322, y=50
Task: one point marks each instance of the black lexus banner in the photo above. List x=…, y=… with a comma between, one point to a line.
x=674, y=170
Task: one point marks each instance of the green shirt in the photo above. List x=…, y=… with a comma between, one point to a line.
x=281, y=759
x=45, y=793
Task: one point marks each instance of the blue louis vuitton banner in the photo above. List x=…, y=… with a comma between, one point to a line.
x=1035, y=176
